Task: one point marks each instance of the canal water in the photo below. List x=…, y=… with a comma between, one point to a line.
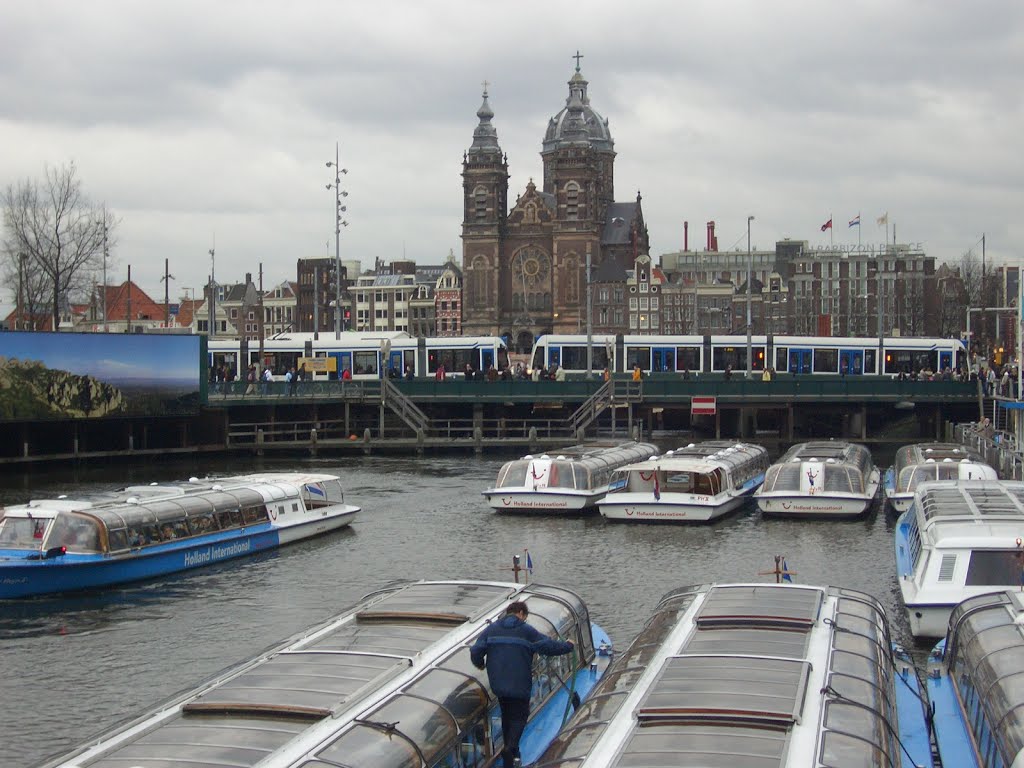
x=74, y=666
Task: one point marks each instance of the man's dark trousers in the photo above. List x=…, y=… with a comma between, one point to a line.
x=514, y=714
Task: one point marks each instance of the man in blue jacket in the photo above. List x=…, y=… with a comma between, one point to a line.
x=507, y=646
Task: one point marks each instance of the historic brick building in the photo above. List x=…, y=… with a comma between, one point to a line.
x=524, y=269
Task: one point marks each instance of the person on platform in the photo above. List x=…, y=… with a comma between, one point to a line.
x=506, y=650
x=637, y=372
x=559, y=373
x=346, y=374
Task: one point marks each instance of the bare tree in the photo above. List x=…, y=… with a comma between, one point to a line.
x=55, y=232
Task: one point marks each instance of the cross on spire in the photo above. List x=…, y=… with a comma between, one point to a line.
x=485, y=84
x=578, y=56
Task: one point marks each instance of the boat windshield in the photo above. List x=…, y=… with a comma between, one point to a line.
x=913, y=476
x=77, y=533
x=22, y=532
x=322, y=494
x=513, y=474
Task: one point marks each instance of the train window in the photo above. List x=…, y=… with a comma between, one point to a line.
x=366, y=362
x=826, y=360
x=638, y=356
x=870, y=361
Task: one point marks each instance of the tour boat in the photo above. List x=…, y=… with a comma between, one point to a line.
x=64, y=545
x=957, y=540
x=573, y=480
x=825, y=478
x=753, y=675
x=388, y=683
x=924, y=462
x=973, y=683
x=698, y=483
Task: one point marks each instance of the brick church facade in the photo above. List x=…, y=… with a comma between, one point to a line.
x=524, y=268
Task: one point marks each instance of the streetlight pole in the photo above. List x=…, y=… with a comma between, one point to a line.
x=212, y=332
x=590, y=328
x=750, y=270
x=338, y=224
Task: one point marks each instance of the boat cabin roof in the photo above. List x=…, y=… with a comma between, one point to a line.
x=970, y=509
x=827, y=451
x=743, y=675
x=984, y=650
x=703, y=457
x=157, y=502
x=608, y=456
x=389, y=679
x=919, y=453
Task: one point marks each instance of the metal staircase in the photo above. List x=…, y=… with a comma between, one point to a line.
x=610, y=393
x=391, y=397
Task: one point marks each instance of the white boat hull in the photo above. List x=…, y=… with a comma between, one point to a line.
x=317, y=521
x=900, y=502
x=819, y=504
x=514, y=501
x=641, y=508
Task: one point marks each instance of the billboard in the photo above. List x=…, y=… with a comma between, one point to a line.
x=96, y=375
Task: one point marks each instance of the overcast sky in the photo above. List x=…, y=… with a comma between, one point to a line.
x=203, y=122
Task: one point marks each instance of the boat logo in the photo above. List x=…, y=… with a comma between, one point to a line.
x=812, y=476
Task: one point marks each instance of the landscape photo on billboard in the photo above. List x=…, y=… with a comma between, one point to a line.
x=93, y=375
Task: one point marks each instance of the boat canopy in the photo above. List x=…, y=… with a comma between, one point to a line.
x=922, y=462
x=700, y=468
x=317, y=700
x=984, y=655
x=737, y=687
x=845, y=468
x=577, y=467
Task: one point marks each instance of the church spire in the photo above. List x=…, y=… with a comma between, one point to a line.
x=485, y=137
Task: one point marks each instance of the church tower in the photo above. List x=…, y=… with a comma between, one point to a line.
x=485, y=208
x=579, y=159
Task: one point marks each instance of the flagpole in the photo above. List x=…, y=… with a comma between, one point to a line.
x=831, y=231
x=858, y=230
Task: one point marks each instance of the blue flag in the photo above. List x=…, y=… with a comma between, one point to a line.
x=785, y=572
x=529, y=563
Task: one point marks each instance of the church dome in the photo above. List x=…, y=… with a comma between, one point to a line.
x=578, y=123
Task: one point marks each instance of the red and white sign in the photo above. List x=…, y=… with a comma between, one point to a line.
x=702, y=406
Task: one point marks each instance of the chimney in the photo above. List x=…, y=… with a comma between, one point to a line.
x=248, y=277
x=712, y=240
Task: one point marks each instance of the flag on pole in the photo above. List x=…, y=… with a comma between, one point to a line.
x=785, y=572
x=826, y=225
x=855, y=221
x=657, y=487
x=529, y=563
x=883, y=219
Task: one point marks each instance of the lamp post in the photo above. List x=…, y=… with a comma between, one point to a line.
x=213, y=294
x=590, y=328
x=338, y=224
x=750, y=270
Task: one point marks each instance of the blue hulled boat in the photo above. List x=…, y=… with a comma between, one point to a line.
x=64, y=545
x=974, y=683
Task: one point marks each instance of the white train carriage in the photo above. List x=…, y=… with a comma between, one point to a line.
x=364, y=355
x=849, y=356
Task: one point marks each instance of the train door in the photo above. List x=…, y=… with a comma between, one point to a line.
x=945, y=360
x=396, y=362
x=486, y=359
x=851, y=362
x=800, y=360
x=343, y=361
x=663, y=359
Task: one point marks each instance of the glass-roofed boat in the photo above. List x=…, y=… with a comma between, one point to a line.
x=572, y=480
x=958, y=539
x=696, y=483
x=925, y=462
x=386, y=684
x=65, y=545
x=974, y=683
x=826, y=478
x=753, y=676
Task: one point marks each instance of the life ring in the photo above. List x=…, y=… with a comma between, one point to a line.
x=647, y=478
